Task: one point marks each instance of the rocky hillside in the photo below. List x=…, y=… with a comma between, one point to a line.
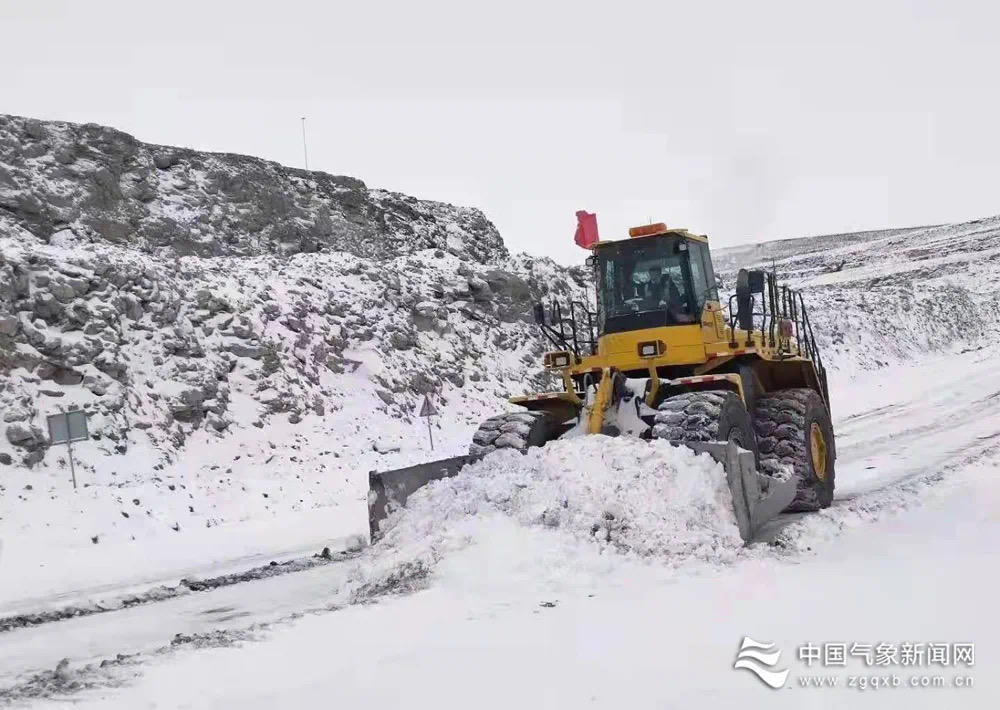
x=107, y=187
x=185, y=298
x=881, y=297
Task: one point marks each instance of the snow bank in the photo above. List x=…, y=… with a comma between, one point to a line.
x=621, y=494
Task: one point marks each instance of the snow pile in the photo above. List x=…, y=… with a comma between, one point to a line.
x=624, y=495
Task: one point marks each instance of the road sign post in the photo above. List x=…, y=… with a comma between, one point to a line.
x=65, y=428
x=427, y=411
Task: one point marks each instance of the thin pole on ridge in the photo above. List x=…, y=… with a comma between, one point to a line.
x=305, y=151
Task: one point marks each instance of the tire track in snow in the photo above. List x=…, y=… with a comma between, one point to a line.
x=64, y=681
x=165, y=592
x=957, y=423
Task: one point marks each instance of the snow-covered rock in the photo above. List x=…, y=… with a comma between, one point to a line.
x=68, y=182
x=264, y=323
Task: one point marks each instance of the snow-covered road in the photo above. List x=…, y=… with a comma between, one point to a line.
x=894, y=560
x=148, y=627
x=907, y=422
x=628, y=635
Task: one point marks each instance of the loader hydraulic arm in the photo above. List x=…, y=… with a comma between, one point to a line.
x=595, y=418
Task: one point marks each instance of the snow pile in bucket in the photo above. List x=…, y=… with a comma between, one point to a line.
x=641, y=498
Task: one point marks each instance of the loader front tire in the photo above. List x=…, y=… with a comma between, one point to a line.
x=513, y=430
x=794, y=432
x=707, y=415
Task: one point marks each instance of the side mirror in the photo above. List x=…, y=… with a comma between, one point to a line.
x=744, y=299
x=755, y=281
x=539, y=312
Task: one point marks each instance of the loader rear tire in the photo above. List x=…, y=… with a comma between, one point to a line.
x=794, y=431
x=707, y=415
x=513, y=430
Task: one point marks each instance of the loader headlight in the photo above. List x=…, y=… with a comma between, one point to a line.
x=652, y=348
x=557, y=359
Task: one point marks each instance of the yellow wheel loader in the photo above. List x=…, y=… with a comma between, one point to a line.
x=659, y=358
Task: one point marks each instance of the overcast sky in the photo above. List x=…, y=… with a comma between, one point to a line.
x=743, y=120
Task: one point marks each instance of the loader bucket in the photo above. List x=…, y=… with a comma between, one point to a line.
x=389, y=490
x=757, y=497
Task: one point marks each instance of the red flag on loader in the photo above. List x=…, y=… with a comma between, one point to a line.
x=586, y=229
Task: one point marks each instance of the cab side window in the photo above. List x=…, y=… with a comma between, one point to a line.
x=702, y=275
x=713, y=287
x=699, y=280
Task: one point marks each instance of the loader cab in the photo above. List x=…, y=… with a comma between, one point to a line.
x=658, y=277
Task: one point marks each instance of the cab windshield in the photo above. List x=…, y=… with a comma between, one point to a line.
x=647, y=283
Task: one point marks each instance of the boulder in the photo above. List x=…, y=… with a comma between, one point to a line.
x=478, y=285
x=241, y=328
x=186, y=404
x=47, y=307
x=98, y=385
x=427, y=309
x=25, y=436
x=402, y=339
x=35, y=129
x=163, y=161
x=63, y=292
x=16, y=414
x=216, y=422
x=64, y=155
x=255, y=352
x=59, y=374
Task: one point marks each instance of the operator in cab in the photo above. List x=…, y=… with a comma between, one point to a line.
x=662, y=292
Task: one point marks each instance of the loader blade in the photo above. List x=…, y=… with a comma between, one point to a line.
x=757, y=497
x=388, y=490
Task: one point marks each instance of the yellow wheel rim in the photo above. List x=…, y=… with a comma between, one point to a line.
x=817, y=443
